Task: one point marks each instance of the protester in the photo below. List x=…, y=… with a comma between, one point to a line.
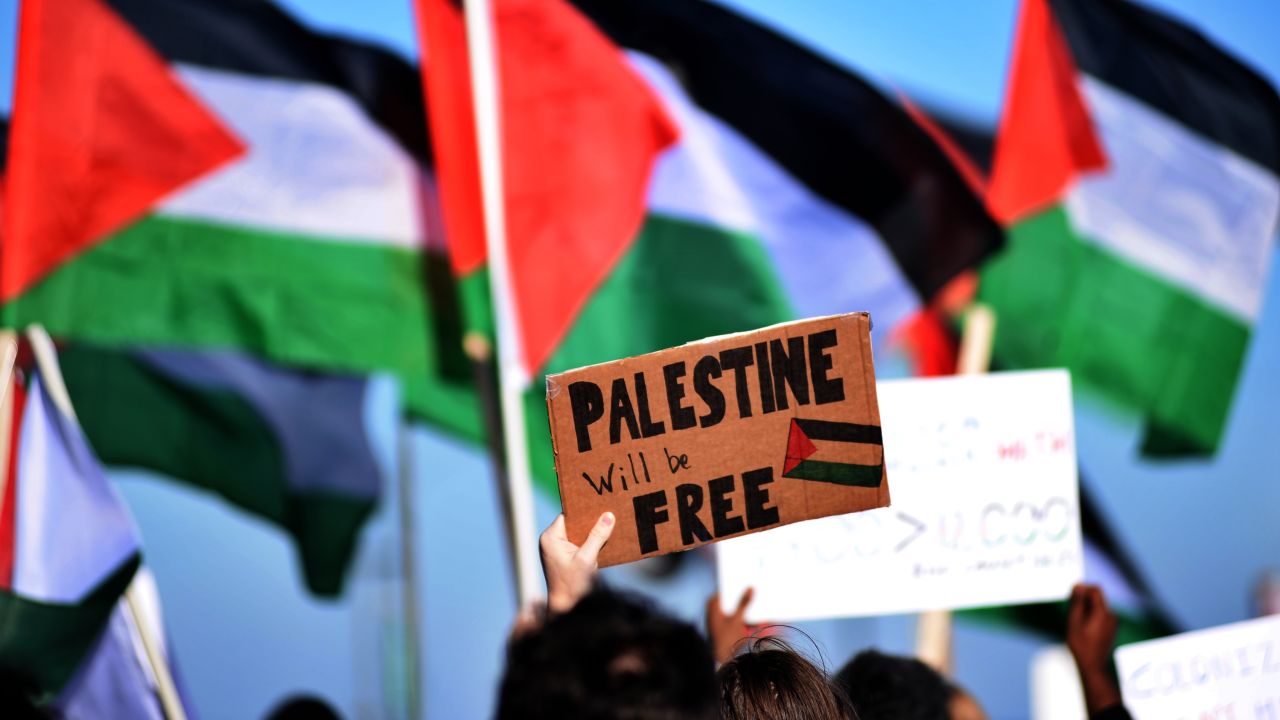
x=771, y=681
x=1091, y=633
x=303, y=707
x=602, y=655
x=888, y=687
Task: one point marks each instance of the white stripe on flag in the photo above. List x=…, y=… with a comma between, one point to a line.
x=72, y=529
x=1193, y=212
x=829, y=261
x=316, y=165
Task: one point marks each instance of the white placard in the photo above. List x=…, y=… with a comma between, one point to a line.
x=1228, y=672
x=985, y=510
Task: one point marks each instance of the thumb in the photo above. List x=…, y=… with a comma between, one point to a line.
x=596, y=539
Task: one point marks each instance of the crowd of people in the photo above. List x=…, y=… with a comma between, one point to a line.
x=593, y=653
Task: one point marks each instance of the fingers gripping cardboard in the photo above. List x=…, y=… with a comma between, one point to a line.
x=722, y=437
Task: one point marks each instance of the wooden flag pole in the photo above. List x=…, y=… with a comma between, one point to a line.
x=8, y=360
x=167, y=691
x=477, y=347
x=933, y=628
x=47, y=361
x=513, y=379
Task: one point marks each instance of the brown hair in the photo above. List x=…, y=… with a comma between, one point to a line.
x=771, y=681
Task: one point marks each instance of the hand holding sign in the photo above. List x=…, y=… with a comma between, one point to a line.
x=570, y=569
x=1091, y=631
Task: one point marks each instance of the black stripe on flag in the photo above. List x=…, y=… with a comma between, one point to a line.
x=254, y=37
x=1175, y=69
x=827, y=127
x=840, y=431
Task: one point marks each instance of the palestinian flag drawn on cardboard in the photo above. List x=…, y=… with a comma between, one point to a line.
x=834, y=452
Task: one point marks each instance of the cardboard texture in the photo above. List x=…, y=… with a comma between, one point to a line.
x=720, y=438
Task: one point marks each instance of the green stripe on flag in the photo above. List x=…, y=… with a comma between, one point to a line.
x=215, y=440
x=1063, y=301
x=352, y=306
x=44, y=643
x=838, y=473
x=680, y=281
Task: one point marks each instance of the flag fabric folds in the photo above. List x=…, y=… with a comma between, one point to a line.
x=308, y=249
x=579, y=136
x=1145, y=275
x=68, y=546
x=832, y=200
x=101, y=132
x=227, y=334
x=296, y=449
x=117, y=680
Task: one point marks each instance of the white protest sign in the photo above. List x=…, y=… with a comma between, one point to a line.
x=985, y=510
x=1228, y=672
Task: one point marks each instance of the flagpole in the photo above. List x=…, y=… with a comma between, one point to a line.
x=512, y=377
x=478, y=348
x=167, y=691
x=933, y=628
x=47, y=361
x=8, y=363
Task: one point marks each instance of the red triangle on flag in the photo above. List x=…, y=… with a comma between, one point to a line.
x=1046, y=137
x=102, y=129
x=799, y=447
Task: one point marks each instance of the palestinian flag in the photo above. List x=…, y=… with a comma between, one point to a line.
x=219, y=176
x=1139, y=166
x=793, y=189
x=574, y=175
x=68, y=547
x=834, y=452
x=116, y=680
x=295, y=449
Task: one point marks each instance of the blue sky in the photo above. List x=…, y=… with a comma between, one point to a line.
x=246, y=634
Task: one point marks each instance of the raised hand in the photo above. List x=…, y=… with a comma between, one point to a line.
x=571, y=569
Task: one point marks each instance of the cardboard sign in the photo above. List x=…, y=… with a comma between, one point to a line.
x=722, y=437
x=1232, y=671
x=985, y=510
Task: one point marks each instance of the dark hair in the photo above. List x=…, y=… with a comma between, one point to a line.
x=612, y=657
x=771, y=681
x=303, y=707
x=18, y=693
x=888, y=687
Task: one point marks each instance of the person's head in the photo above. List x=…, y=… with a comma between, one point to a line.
x=18, y=691
x=303, y=707
x=771, y=681
x=887, y=687
x=612, y=656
